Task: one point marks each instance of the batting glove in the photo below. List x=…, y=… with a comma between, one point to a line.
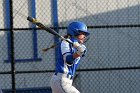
x=81, y=49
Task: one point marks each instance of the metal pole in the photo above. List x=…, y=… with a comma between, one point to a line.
x=12, y=47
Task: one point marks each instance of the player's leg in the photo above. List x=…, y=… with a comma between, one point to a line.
x=62, y=86
x=71, y=89
x=56, y=85
x=74, y=90
x=68, y=88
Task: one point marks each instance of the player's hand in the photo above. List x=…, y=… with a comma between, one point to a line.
x=76, y=44
x=81, y=50
x=84, y=51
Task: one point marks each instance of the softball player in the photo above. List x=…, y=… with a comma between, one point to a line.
x=69, y=58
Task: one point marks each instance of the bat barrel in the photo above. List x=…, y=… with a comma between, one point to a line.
x=33, y=20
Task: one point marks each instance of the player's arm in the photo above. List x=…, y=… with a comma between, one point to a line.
x=69, y=57
x=80, y=52
x=67, y=53
x=81, y=49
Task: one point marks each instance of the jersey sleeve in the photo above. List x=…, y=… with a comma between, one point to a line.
x=65, y=47
x=67, y=53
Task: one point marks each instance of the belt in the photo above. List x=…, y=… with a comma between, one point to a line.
x=64, y=75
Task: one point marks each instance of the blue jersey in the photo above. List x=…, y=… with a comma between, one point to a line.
x=64, y=63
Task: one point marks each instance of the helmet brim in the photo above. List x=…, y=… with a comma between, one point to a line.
x=86, y=32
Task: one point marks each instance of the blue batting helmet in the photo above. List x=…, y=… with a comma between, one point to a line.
x=76, y=27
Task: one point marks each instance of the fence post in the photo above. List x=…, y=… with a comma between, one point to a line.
x=55, y=24
x=12, y=47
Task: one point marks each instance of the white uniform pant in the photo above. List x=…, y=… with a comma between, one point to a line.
x=61, y=84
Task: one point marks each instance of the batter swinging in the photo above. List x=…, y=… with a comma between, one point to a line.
x=69, y=58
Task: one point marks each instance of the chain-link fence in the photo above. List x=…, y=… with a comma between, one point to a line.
x=112, y=61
